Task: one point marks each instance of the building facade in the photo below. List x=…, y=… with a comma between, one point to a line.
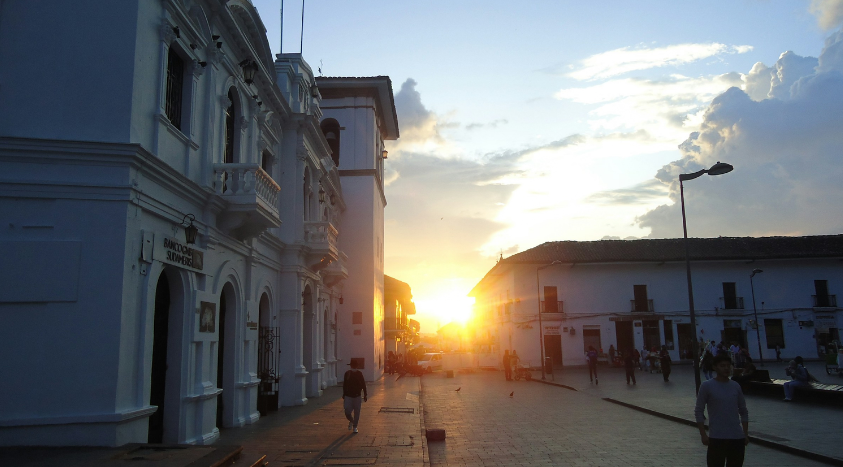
x=400, y=332
x=173, y=220
x=634, y=294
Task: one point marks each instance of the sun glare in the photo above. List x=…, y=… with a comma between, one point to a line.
x=446, y=307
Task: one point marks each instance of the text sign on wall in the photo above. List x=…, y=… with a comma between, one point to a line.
x=552, y=329
x=171, y=251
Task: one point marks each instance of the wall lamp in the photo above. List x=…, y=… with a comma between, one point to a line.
x=385, y=153
x=190, y=230
x=321, y=195
x=250, y=67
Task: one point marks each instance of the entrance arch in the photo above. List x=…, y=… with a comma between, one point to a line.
x=168, y=312
x=308, y=331
x=226, y=355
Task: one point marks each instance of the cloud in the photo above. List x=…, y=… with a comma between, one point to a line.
x=829, y=13
x=492, y=124
x=786, y=150
x=642, y=193
x=624, y=60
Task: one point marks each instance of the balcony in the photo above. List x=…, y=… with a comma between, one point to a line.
x=393, y=327
x=824, y=301
x=550, y=309
x=638, y=305
x=252, y=198
x=336, y=271
x=731, y=303
x=321, y=237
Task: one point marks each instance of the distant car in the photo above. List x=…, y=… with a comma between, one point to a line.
x=431, y=361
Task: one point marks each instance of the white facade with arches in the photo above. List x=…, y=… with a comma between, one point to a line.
x=116, y=328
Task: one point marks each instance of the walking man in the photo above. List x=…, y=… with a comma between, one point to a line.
x=507, y=365
x=728, y=419
x=592, y=364
x=352, y=385
x=629, y=365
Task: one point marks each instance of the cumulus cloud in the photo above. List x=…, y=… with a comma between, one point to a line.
x=829, y=13
x=641, y=193
x=624, y=60
x=786, y=150
x=418, y=124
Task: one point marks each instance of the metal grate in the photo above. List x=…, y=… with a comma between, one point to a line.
x=175, y=83
x=397, y=410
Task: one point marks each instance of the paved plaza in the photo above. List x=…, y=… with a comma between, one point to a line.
x=548, y=425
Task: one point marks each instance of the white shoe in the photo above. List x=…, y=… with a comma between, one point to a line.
x=355, y=429
x=350, y=426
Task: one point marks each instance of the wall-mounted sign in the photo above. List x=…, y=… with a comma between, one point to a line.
x=552, y=329
x=636, y=316
x=207, y=316
x=171, y=251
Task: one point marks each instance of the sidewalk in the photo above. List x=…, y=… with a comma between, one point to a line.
x=317, y=433
x=808, y=426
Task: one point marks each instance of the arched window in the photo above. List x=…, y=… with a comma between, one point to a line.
x=307, y=192
x=331, y=130
x=228, y=156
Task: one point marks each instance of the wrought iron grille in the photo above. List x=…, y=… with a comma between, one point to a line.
x=175, y=83
x=269, y=349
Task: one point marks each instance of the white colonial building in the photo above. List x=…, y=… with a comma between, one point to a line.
x=177, y=239
x=634, y=293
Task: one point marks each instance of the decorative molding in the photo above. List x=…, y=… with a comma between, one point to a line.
x=225, y=101
x=110, y=417
x=197, y=69
x=242, y=123
x=167, y=33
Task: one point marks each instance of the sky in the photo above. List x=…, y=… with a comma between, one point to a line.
x=528, y=122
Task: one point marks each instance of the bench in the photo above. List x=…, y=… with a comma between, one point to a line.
x=816, y=392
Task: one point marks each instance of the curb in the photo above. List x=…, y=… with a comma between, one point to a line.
x=759, y=441
x=423, y=431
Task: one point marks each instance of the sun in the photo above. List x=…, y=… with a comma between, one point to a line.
x=446, y=307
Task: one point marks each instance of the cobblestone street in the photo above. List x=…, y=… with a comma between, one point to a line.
x=548, y=425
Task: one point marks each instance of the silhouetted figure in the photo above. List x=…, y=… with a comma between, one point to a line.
x=778, y=353
x=611, y=355
x=800, y=378
x=592, y=364
x=706, y=365
x=352, y=385
x=728, y=419
x=507, y=365
x=636, y=356
x=629, y=365
x=664, y=358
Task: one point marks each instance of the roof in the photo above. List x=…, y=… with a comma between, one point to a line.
x=673, y=249
x=380, y=87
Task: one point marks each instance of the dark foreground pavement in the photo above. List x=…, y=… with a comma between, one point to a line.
x=548, y=425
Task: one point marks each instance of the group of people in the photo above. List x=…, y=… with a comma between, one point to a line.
x=399, y=363
x=739, y=356
x=510, y=361
x=631, y=358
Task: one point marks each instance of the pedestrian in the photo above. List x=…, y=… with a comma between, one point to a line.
x=611, y=355
x=353, y=383
x=664, y=358
x=507, y=365
x=636, y=355
x=728, y=419
x=778, y=353
x=707, y=365
x=645, y=358
x=800, y=378
x=629, y=365
x=592, y=364
x=390, y=362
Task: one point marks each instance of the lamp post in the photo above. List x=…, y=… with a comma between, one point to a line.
x=755, y=310
x=717, y=169
x=539, y=301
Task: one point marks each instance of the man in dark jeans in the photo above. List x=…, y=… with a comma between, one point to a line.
x=352, y=385
x=591, y=355
x=728, y=419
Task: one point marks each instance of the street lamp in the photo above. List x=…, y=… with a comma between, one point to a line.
x=539, y=301
x=755, y=310
x=717, y=169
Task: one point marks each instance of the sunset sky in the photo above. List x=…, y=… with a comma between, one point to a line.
x=527, y=122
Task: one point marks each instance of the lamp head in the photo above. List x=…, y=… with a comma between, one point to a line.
x=756, y=271
x=720, y=168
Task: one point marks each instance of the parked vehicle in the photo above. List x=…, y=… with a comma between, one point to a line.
x=430, y=362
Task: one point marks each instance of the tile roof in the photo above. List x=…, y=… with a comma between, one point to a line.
x=673, y=249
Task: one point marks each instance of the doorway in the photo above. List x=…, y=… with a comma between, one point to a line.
x=591, y=338
x=225, y=362
x=158, y=376
x=624, y=336
x=553, y=349
x=652, y=336
x=686, y=340
x=307, y=340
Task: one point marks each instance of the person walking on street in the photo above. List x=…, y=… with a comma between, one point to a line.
x=592, y=364
x=507, y=365
x=353, y=384
x=636, y=356
x=706, y=365
x=664, y=358
x=629, y=365
x=612, y=355
x=728, y=418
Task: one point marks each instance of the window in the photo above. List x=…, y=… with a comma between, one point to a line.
x=331, y=130
x=774, y=332
x=550, y=300
x=359, y=363
x=641, y=302
x=228, y=156
x=822, y=298
x=307, y=194
x=730, y=297
x=266, y=163
x=175, y=87
x=668, y=334
x=357, y=317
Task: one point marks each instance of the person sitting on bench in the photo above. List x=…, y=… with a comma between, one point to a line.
x=800, y=378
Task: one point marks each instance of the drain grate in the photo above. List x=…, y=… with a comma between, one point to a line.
x=410, y=410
